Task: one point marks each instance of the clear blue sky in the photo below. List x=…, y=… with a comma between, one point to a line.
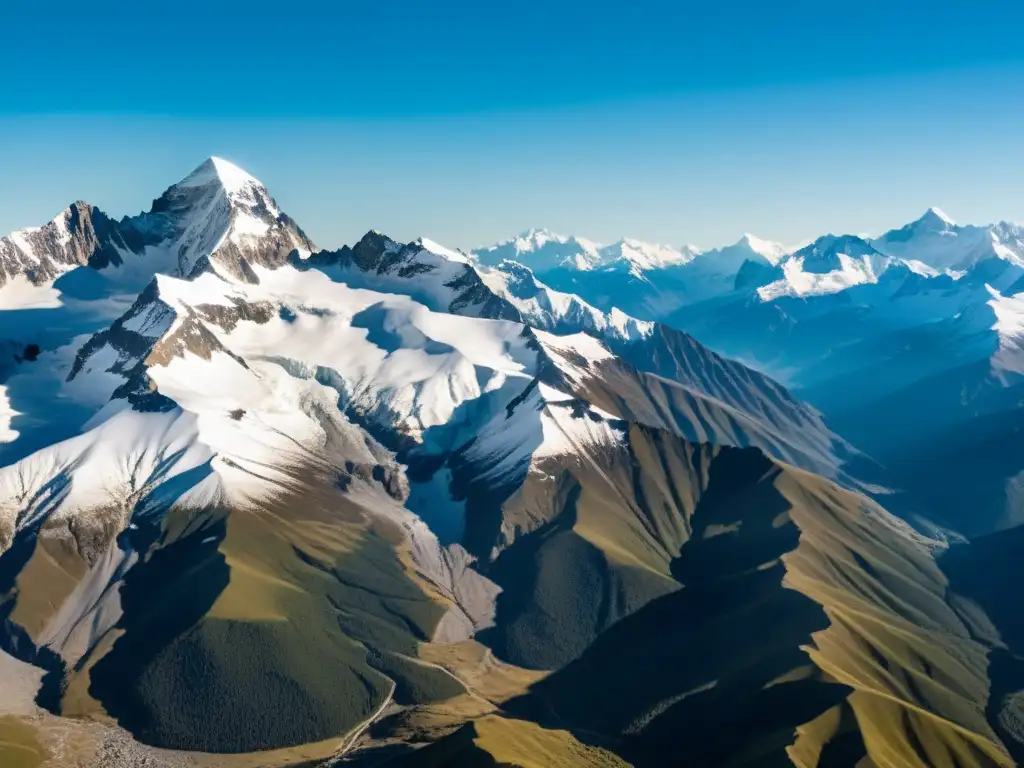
x=469, y=121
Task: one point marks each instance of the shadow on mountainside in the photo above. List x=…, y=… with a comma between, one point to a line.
x=268, y=626
x=989, y=572
x=714, y=672
x=40, y=346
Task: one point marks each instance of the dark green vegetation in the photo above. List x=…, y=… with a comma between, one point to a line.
x=261, y=628
x=266, y=693
x=560, y=593
x=283, y=670
x=415, y=682
x=162, y=599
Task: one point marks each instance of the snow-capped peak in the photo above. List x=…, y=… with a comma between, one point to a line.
x=533, y=239
x=217, y=170
x=543, y=250
x=438, y=249
x=237, y=185
x=772, y=252
x=936, y=217
x=233, y=177
x=830, y=264
x=727, y=261
x=645, y=256
x=935, y=240
x=224, y=216
x=218, y=215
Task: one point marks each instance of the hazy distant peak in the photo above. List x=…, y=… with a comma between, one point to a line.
x=935, y=218
x=645, y=256
x=543, y=250
x=771, y=251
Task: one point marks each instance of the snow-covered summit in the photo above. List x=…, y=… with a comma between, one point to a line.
x=728, y=259
x=830, y=264
x=937, y=241
x=637, y=255
x=221, y=181
x=543, y=250
x=771, y=252
x=220, y=216
x=215, y=170
x=934, y=218
x=80, y=235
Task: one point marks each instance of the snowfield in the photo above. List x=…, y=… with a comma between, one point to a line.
x=244, y=354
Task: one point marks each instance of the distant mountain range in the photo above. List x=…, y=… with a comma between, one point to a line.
x=901, y=341
x=264, y=503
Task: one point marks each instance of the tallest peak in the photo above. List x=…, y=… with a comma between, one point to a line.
x=216, y=170
x=937, y=216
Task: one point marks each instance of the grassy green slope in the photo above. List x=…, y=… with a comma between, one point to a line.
x=266, y=628
x=493, y=741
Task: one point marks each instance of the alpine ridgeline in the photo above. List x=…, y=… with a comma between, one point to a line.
x=267, y=504
x=910, y=344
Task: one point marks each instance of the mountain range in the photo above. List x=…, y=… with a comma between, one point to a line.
x=908, y=344
x=265, y=503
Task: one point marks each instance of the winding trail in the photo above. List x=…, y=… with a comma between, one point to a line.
x=353, y=737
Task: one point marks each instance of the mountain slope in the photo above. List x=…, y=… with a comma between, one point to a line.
x=855, y=650
x=236, y=403
x=85, y=269
x=446, y=282
x=285, y=507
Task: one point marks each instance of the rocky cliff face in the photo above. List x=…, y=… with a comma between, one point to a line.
x=81, y=235
x=218, y=215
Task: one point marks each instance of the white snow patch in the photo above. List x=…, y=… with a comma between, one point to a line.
x=7, y=414
x=628, y=327
x=576, y=352
x=547, y=423
x=645, y=256
x=19, y=293
x=225, y=174
x=20, y=239
x=1009, y=311
x=543, y=250
x=772, y=252
x=440, y=250
x=797, y=282
x=245, y=226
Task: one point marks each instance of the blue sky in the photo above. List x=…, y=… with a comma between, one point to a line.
x=466, y=122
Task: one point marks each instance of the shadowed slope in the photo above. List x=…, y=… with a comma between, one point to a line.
x=985, y=574
x=494, y=741
x=802, y=606
x=294, y=620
